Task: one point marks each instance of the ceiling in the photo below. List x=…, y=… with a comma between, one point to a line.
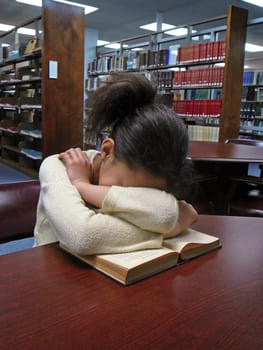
x=118, y=19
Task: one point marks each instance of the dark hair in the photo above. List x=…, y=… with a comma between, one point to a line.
x=146, y=134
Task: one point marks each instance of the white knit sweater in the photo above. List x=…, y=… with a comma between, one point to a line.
x=131, y=218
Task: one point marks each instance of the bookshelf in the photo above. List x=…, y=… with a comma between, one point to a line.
x=208, y=96
x=38, y=115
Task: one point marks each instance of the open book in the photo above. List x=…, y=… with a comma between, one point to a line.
x=128, y=268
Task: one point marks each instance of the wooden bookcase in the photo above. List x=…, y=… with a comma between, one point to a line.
x=57, y=108
x=231, y=87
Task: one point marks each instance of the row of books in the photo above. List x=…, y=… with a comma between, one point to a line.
x=252, y=93
x=130, y=60
x=163, y=79
x=213, y=50
x=151, y=58
x=203, y=133
x=168, y=79
x=199, y=77
x=257, y=123
x=11, y=127
x=252, y=129
x=94, y=82
x=15, y=51
x=198, y=108
x=253, y=77
x=251, y=109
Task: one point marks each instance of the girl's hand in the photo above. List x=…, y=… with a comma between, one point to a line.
x=77, y=164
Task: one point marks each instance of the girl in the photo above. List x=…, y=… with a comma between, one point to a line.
x=122, y=198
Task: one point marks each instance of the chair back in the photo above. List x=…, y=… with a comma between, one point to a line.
x=18, y=203
x=248, y=142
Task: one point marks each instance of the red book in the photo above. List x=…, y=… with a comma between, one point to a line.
x=202, y=52
x=209, y=51
x=215, y=53
x=196, y=52
x=222, y=49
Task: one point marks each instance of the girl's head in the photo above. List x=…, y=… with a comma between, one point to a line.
x=146, y=135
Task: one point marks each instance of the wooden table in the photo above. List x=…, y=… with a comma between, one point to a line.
x=49, y=300
x=224, y=152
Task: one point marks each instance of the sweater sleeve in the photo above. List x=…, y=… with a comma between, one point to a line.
x=148, y=208
x=80, y=228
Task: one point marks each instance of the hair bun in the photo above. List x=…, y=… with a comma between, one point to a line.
x=119, y=97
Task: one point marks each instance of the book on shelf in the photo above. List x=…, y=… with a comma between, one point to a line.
x=132, y=267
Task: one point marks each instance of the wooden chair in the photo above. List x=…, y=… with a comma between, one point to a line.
x=246, y=190
x=18, y=204
x=248, y=142
x=200, y=191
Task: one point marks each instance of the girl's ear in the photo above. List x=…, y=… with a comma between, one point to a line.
x=107, y=147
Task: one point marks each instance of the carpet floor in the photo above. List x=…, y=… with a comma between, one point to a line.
x=17, y=245
x=8, y=174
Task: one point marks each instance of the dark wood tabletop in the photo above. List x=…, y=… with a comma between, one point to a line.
x=224, y=152
x=49, y=300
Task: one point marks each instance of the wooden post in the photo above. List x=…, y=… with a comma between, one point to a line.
x=62, y=77
x=233, y=74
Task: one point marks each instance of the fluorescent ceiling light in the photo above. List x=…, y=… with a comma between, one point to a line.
x=138, y=49
x=255, y=2
x=178, y=32
x=5, y=45
x=253, y=48
x=87, y=8
x=115, y=46
x=102, y=42
x=22, y=30
x=5, y=27
x=26, y=31
x=153, y=26
x=31, y=2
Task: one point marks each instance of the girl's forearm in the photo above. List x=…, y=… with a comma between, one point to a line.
x=92, y=194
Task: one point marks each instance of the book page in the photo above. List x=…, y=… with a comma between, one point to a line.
x=190, y=238
x=133, y=259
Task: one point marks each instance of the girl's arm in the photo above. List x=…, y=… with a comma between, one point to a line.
x=63, y=213
x=148, y=208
